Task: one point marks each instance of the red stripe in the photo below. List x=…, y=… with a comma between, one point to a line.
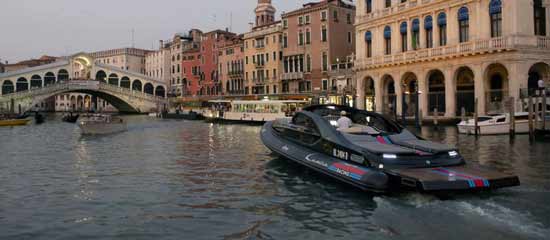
x=349, y=168
x=381, y=140
x=479, y=183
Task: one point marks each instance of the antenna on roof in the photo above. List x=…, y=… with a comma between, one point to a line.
x=231, y=21
x=133, y=39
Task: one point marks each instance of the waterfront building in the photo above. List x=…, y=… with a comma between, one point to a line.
x=157, y=63
x=315, y=37
x=129, y=59
x=7, y=67
x=179, y=46
x=341, y=85
x=2, y=67
x=444, y=54
x=231, y=67
x=263, y=52
x=81, y=102
x=211, y=43
x=191, y=71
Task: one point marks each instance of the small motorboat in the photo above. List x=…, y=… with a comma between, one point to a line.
x=496, y=124
x=375, y=153
x=70, y=118
x=101, y=124
x=13, y=122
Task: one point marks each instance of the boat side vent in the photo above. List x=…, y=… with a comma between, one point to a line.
x=408, y=182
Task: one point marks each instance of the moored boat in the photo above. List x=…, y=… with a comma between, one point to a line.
x=13, y=122
x=496, y=124
x=101, y=124
x=374, y=153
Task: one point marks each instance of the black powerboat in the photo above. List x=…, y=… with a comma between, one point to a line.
x=375, y=153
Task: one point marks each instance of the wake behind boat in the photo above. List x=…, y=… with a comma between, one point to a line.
x=374, y=153
x=101, y=124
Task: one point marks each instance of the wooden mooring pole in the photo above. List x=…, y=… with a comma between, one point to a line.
x=531, y=124
x=436, y=120
x=543, y=117
x=476, y=125
x=512, y=117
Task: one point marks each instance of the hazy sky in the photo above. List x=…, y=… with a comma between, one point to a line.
x=31, y=28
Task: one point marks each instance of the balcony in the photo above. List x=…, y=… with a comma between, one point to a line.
x=292, y=76
x=396, y=8
x=235, y=74
x=482, y=46
x=259, y=65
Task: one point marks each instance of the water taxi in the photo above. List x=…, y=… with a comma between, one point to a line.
x=252, y=111
x=101, y=124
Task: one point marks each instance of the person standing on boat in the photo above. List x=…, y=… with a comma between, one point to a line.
x=344, y=122
x=542, y=86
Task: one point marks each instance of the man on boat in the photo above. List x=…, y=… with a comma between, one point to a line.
x=344, y=122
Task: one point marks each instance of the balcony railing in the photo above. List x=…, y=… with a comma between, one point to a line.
x=292, y=76
x=468, y=48
x=391, y=10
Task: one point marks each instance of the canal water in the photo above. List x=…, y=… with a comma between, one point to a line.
x=194, y=180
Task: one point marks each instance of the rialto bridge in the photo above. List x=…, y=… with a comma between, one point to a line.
x=127, y=91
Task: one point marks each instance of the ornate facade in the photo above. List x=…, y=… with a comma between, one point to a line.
x=444, y=54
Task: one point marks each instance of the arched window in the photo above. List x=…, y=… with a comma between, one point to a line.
x=464, y=24
x=368, y=41
x=403, y=30
x=415, y=34
x=442, y=24
x=540, y=18
x=387, y=40
x=495, y=10
x=428, y=25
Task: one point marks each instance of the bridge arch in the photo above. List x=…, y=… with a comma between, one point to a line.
x=160, y=91
x=101, y=76
x=125, y=82
x=113, y=79
x=137, y=86
x=149, y=88
x=22, y=85
x=36, y=81
x=62, y=75
x=49, y=78
x=7, y=87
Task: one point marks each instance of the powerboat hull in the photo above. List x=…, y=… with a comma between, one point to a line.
x=367, y=179
x=493, y=129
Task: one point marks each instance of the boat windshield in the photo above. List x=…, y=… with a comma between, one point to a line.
x=363, y=122
x=484, y=119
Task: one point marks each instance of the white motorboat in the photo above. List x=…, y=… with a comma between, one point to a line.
x=101, y=124
x=496, y=124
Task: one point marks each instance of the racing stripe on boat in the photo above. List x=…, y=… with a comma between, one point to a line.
x=347, y=170
x=473, y=181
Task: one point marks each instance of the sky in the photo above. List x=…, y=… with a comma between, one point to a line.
x=32, y=28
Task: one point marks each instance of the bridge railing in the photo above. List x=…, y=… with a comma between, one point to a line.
x=80, y=85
